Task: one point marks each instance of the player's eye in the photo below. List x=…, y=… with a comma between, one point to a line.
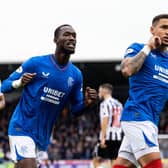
x=70, y=34
x=66, y=34
x=74, y=35
x=164, y=26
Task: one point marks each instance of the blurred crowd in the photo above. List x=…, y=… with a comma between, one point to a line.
x=72, y=138
x=4, y=120
x=75, y=138
x=163, y=125
x=163, y=129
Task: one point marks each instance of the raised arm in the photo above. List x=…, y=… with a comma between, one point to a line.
x=131, y=65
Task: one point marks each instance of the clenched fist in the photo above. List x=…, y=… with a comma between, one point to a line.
x=90, y=95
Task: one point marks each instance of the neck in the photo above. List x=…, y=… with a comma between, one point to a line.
x=62, y=58
x=107, y=96
x=163, y=48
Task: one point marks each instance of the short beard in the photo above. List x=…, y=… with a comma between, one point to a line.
x=61, y=49
x=164, y=45
x=68, y=52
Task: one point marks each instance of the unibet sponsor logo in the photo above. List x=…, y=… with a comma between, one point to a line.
x=52, y=95
x=53, y=92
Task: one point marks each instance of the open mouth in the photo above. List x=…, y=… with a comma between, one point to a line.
x=165, y=39
x=70, y=45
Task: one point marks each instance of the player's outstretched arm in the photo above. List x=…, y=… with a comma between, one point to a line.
x=131, y=65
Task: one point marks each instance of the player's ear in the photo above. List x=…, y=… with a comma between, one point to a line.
x=55, y=40
x=152, y=30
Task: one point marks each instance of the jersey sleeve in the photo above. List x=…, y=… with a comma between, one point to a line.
x=27, y=66
x=77, y=100
x=104, y=110
x=133, y=49
x=117, y=111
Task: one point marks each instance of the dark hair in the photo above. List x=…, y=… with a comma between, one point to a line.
x=57, y=30
x=107, y=86
x=158, y=17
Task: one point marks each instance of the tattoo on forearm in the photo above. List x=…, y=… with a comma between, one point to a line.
x=134, y=63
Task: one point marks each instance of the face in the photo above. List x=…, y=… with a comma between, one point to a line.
x=101, y=93
x=161, y=30
x=66, y=40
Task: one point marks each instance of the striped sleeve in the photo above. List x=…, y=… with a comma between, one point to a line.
x=117, y=111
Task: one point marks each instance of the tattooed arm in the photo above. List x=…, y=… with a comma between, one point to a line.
x=131, y=65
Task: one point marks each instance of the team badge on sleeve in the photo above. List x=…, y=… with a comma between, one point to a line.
x=19, y=70
x=129, y=51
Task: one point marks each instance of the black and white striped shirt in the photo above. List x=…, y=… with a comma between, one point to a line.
x=112, y=109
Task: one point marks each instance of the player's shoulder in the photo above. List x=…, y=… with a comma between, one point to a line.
x=133, y=48
x=136, y=45
x=75, y=69
x=116, y=101
x=39, y=59
x=106, y=102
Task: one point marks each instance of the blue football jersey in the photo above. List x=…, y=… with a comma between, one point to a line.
x=148, y=90
x=44, y=97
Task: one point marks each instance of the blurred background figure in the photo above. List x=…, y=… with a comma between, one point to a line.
x=110, y=132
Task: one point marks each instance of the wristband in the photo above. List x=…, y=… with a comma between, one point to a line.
x=17, y=83
x=146, y=50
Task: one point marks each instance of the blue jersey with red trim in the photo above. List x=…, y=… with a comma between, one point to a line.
x=148, y=88
x=44, y=97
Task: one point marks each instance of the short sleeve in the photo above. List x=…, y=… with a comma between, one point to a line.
x=104, y=112
x=133, y=49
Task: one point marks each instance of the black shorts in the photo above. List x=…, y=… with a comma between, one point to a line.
x=110, y=151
